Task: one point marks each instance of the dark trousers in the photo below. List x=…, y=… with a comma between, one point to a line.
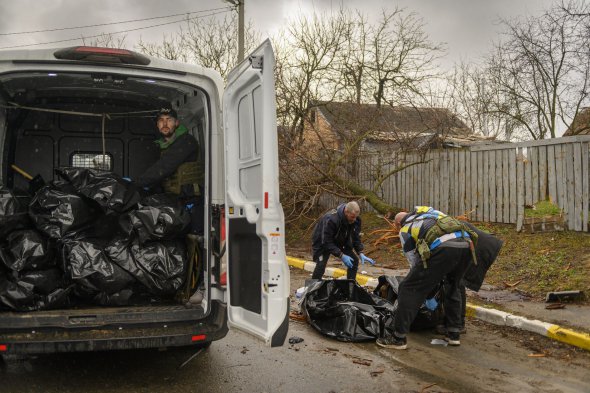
x=445, y=262
x=321, y=259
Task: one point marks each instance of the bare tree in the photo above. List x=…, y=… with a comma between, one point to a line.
x=475, y=97
x=171, y=48
x=106, y=40
x=306, y=54
x=208, y=42
x=542, y=69
x=401, y=56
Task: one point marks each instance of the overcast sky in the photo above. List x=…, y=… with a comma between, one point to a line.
x=467, y=26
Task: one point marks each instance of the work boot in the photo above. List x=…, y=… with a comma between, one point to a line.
x=453, y=338
x=197, y=297
x=392, y=342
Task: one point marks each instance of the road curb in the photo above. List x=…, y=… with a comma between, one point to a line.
x=486, y=314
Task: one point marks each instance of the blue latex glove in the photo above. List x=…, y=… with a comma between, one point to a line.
x=127, y=179
x=366, y=259
x=346, y=260
x=431, y=304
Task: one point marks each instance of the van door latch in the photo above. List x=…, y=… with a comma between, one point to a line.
x=256, y=62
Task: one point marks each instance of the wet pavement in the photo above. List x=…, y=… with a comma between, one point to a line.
x=490, y=359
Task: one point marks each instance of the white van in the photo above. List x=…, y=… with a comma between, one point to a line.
x=46, y=97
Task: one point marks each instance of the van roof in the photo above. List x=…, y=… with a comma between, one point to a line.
x=48, y=55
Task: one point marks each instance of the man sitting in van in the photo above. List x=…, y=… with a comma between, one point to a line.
x=178, y=172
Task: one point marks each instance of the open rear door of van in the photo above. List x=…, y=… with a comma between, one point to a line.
x=258, y=274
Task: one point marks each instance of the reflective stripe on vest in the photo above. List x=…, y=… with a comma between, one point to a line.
x=449, y=236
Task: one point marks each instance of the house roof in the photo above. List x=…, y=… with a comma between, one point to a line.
x=386, y=122
x=581, y=124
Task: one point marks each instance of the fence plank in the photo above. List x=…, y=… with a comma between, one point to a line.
x=551, y=175
x=467, y=182
x=499, y=187
x=569, y=175
x=461, y=173
x=535, y=173
x=492, y=185
x=435, y=158
x=445, y=182
x=585, y=185
x=519, y=189
x=505, y=187
x=577, y=186
x=542, y=172
x=513, y=185
x=473, y=206
x=528, y=178
x=486, y=189
x=480, y=182
x=559, y=178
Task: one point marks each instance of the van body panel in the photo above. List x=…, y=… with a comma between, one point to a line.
x=258, y=272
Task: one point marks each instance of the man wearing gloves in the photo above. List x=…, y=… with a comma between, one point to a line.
x=437, y=246
x=338, y=233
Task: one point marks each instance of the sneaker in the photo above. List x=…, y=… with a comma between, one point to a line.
x=392, y=342
x=453, y=338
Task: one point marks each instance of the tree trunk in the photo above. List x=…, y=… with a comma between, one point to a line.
x=373, y=199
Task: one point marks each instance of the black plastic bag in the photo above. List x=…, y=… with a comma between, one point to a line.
x=109, y=190
x=343, y=310
x=27, y=250
x=13, y=212
x=57, y=210
x=388, y=288
x=33, y=291
x=44, y=281
x=160, y=266
x=159, y=217
x=95, y=276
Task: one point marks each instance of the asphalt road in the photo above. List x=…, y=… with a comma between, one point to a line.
x=489, y=360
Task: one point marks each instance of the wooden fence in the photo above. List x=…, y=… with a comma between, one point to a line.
x=490, y=183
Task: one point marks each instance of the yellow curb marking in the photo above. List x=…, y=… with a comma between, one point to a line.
x=300, y=264
x=567, y=336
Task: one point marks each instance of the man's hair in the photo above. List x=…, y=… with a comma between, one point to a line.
x=352, y=207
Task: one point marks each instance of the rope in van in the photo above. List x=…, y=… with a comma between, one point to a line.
x=103, y=117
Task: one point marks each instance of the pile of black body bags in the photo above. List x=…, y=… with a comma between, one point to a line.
x=90, y=238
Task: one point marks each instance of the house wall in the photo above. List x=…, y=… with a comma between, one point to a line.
x=492, y=183
x=318, y=132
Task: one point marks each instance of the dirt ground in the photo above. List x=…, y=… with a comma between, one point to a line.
x=490, y=358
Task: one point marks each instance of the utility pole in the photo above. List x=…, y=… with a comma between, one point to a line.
x=240, y=6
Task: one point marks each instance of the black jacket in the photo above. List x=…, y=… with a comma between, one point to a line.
x=486, y=251
x=333, y=233
x=183, y=149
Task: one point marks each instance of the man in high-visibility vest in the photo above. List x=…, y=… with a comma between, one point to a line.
x=437, y=246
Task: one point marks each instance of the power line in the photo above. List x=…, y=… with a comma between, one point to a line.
x=115, y=32
x=112, y=23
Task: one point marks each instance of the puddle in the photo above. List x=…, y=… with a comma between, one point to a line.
x=500, y=295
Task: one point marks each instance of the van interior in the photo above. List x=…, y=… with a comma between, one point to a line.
x=50, y=120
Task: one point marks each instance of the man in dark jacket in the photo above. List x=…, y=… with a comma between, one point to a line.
x=178, y=172
x=338, y=233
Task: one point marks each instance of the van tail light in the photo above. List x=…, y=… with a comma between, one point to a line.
x=103, y=55
x=223, y=279
x=3, y=347
x=198, y=337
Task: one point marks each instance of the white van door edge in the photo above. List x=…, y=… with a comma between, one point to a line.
x=258, y=273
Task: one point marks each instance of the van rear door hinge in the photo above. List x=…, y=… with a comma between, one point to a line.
x=256, y=62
